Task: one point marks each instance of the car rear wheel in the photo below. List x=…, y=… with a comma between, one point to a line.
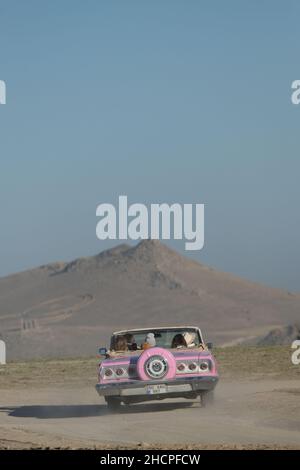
x=113, y=404
x=207, y=398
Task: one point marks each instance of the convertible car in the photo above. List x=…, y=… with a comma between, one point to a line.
x=156, y=363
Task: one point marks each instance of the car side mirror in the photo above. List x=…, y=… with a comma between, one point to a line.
x=210, y=345
x=102, y=351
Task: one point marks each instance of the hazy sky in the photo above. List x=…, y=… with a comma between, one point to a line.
x=165, y=101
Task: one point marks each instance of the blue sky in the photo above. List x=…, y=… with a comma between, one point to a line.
x=165, y=101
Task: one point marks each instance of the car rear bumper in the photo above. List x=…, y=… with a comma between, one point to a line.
x=168, y=387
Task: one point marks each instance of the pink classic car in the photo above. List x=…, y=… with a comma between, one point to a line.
x=156, y=363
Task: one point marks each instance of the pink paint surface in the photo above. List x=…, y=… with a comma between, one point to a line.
x=173, y=360
x=156, y=352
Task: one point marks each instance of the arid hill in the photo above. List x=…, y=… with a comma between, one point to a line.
x=69, y=309
x=281, y=335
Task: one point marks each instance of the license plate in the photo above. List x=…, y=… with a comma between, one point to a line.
x=156, y=389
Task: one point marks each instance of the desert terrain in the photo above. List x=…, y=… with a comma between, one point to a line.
x=53, y=404
x=68, y=308
x=54, y=317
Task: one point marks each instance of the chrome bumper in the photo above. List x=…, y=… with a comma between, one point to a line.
x=139, y=387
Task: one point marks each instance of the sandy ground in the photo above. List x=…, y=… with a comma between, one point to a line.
x=246, y=414
x=54, y=404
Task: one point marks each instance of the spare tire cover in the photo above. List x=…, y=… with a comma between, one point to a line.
x=155, y=364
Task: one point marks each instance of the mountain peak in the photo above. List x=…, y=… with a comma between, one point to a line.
x=43, y=313
x=152, y=250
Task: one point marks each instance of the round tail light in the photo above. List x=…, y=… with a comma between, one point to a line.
x=120, y=372
x=192, y=366
x=108, y=373
x=181, y=367
x=204, y=366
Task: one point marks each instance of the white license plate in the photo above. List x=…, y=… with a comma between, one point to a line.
x=156, y=389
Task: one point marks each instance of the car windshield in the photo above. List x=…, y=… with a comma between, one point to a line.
x=165, y=338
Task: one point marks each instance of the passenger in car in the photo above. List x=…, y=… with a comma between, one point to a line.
x=178, y=341
x=190, y=339
x=131, y=343
x=149, y=341
x=120, y=344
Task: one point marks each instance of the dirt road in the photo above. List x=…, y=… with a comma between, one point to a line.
x=54, y=404
x=245, y=414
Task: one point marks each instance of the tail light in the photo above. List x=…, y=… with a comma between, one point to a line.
x=113, y=373
x=194, y=367
x=204, y=366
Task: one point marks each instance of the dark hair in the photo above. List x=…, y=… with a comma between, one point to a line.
x=129, y=337
x=131, y=344
x=178, y=340
x=120, y=343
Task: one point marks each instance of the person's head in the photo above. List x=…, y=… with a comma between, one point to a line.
x=150, y=339
x=131, y=343
x=189, y=338
x=178, y=340
x=120, y=343
x=129, y=337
